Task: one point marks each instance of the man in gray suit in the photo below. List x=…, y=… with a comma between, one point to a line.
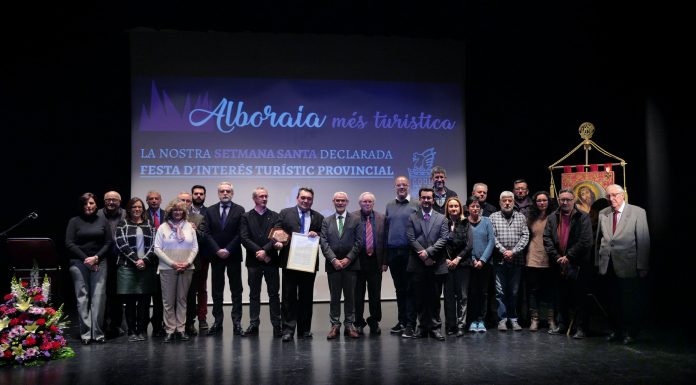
x=622, y=255
x=427, y=233
x=372, y=264
x=339, y=244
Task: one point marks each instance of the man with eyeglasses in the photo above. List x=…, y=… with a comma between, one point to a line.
x=113, y=318
x=622, y=255
x=522, y=200
x=568, y=243
x=438, y=176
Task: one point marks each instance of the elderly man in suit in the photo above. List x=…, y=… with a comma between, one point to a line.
x=427, y=233
x=225, y=244
x=372, y=264
x=340, y=244
x=622, y=255
x=298, y=286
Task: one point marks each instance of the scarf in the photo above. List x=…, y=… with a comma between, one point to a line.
x=177, y=230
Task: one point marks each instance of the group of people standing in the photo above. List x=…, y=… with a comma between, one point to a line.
x=437, y=243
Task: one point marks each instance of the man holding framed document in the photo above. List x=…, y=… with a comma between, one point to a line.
x=298, y=258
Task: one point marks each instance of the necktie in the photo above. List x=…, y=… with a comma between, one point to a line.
x=223, y=217
x=302, y=223
x=155, y=215
x=368, y=237
x=616, y=219
x=340, y=225
x=426, y=217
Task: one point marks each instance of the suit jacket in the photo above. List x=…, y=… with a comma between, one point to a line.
x=289, y=221
x=430, y=236
x=199, y=221
x=628, y=247
x=579, y=244
x=346, y=245
x=379, y=240
x=254, y=232
x=227, y=237
x=152, y=220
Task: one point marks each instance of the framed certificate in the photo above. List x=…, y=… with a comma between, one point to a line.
x=303, y=253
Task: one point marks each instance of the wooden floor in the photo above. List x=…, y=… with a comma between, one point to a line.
x=658, y=357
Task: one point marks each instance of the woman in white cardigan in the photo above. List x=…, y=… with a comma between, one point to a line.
x=176, y=247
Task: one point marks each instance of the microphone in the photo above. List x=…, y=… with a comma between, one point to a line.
x=33, y=215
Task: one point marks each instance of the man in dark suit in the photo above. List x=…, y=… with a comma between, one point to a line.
x=622, y=255
x=298, y=286
x=262, y=261
x=427, y=233
x=156, y=217
x=198, y=207
x=223, y=220
x=372, y=264
x=340, y=244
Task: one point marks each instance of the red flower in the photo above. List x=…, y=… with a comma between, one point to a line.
x=7, y=297
x=30, y=341
x=24, y=283
x=7, y=354
x=41, y=322
x=56, y=344
x=54, y=328
x=38, y=298
x=47, y=346
x=50, y=311
x=14, y=321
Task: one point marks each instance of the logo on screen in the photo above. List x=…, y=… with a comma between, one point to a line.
x=419, y=174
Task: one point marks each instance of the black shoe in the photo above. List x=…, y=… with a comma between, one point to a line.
x=100, y=340
x=277, y=331
x=613, y=337
x=191, y=330
x=360, y=330
x=133, y=338
x=407, y=333
x=158, y=333
x=451, y=331
x=374, y=329
x=86, y=341
x=184, y=336
x=579, y=334
x=419, y=333
x=252, y=330
x=169, y=337
x=398, y=328
x=238, y=331
x=287, y=337
x=460, y=332
x=215, y=329
x=435, y=333
x=202, y=324
x=307, y=335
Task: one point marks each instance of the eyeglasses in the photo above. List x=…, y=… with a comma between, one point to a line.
x=609, y=196
x=565, y=200
x=112, y=200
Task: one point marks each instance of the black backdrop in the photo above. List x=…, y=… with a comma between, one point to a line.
x=533, y=73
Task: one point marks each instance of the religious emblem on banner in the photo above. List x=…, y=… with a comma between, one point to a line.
x=419, y=174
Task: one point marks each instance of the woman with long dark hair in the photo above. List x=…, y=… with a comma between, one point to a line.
x=459, y=266
x=539, y=274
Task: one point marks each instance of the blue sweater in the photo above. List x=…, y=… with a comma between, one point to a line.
x=397, y=214
x=483, y=240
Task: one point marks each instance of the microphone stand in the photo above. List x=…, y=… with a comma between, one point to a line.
x=32, y=215
x=4, y=262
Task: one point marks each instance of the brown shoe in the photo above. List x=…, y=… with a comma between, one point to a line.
x=352, y=333
x=534, y=326
x=333, y=333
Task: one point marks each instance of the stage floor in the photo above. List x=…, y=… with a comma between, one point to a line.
x=658, y=357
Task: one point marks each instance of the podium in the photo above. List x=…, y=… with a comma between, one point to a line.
x=22, y=252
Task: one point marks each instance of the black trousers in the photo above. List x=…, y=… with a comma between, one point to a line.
x=192, y=298
x=371, y=279
x=424, y=298
x=625, y=297
x=298, y=299
x=398, y=260
x=255, y=277
x=218, y=267
x=137, y=312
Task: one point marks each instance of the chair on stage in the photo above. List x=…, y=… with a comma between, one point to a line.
x=23, y=252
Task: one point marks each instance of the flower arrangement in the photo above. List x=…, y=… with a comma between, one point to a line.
x=31, y=331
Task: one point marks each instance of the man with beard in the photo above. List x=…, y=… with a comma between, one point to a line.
x=224, y=240
x=113, y=214
x=568, y=242
x=438, y=176
x=197, y=207
x=511, y=238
